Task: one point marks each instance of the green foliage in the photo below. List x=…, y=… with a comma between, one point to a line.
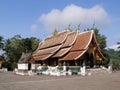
x=119, y=55
x=114, y=55
x=116, y=65
x=14, y=48
x=13, y=65
x=10, y=65
x=74, y=73
x=7, y=65
x=107, y=59
x=114, y=58
x=1, y=42
x=29, y=44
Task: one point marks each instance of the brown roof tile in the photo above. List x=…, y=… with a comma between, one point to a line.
x=72, y=55
x=54, y=40
x=81, y=44
x=50, y=45
x=48, y=50
x=67, y=44
x=45, y=53
x=62, y=52
x=41, y=57
x=70, y=39
x=82, y=41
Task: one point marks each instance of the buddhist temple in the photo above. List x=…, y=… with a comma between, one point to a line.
x=71, y=48
x=24, y=63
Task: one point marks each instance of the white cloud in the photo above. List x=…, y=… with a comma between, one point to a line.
x=33, y=27
x=74, y=15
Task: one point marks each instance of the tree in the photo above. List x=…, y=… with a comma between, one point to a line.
x=12, y=48
x=15, y=46
x=118, y=44
x=1, y=42
x=100, y=38
x=29, y=44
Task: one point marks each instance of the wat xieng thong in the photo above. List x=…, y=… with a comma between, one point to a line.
x=72, y=48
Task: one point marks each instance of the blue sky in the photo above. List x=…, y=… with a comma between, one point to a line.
x=38, y=18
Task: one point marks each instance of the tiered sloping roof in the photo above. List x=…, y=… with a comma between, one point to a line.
x=66, y=46
x=79, y=47
x=25, y=57
x=51, y=45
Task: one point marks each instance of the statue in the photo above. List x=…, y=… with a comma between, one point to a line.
x=69, y=27
x=78, y=27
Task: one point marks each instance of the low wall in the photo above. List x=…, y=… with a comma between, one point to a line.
x=22, y=66
x=73, y=68
x=25, y=66
x=33, y=66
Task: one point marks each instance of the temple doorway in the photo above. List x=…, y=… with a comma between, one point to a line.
x=29, y=66
x=89, y=60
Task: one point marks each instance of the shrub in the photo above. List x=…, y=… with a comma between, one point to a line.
x=116, y=65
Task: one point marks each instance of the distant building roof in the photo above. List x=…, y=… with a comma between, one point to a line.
x=25, y=57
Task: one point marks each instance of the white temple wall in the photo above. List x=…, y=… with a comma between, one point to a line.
x=23, y=66
x=33, y=66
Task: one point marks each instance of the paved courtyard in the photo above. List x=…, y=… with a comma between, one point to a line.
x=97, y=81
